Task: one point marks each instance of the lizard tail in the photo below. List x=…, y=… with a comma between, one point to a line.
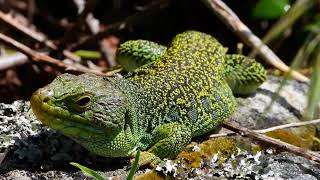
x=244, y=75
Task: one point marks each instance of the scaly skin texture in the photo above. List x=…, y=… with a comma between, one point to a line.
x=244, y=75
x=135, y=53
x=157, y=108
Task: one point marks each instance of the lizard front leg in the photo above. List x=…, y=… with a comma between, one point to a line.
x=167, y=141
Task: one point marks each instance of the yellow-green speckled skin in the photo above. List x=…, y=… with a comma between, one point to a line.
x=157, y=108
x=135, y=53
x=243, y=75
x=186, y=85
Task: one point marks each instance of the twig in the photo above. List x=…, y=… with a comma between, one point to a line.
x=16, y=59
x=107, y=54
x=275, y=142
x=115, y=72
x=296, y=124
x=40, y=57
x=284, y=126
x=133, y=19
x=235, y=24
x=9, y=19
x=38, y=36
x=17, y=5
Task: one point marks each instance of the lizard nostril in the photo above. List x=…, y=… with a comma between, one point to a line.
x=46, y=99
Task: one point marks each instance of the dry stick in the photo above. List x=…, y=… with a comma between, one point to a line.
x=38, y=36
x=15, y=59
x=275, y=142
x=284, y=126
x=40, y=57
x=297, y=124
x=228, y=17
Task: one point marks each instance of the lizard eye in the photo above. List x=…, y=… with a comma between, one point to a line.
x=84, y=101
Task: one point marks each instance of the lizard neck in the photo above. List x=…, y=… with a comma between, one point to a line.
x=121, y=145
x=136, y=117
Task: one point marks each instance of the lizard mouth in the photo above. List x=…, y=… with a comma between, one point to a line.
x=60, y=119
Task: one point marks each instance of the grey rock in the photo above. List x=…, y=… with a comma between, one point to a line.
x=245, y=165
x=290, y=166
x=27, y=175
x=16, y=123
x=288, y=108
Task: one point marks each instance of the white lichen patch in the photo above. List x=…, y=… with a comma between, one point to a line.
x=196, y=148
x=14, y=123
x=242, y=165
x=167, y=167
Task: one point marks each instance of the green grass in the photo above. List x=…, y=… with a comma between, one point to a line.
x=96, y=175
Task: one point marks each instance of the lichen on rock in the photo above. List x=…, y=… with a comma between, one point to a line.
x=194, y=154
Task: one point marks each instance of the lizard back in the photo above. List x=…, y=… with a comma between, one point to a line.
x=186, y=85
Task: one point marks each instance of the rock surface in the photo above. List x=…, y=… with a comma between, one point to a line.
x=287, y=108
x=244, y=165
x=29, y=150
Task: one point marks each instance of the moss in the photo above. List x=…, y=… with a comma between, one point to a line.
x=255, y=148
x=193, y=158
x=289, y=137
x=151, y=175
x=316, y=144
x=307, y=134
x=225, y=147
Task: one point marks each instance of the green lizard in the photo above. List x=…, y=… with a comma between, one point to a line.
x=170, y=96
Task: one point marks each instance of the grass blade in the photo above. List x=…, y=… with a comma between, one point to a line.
x=134, y=167
x=88, y=171
x=303, y=53
x=313, y=93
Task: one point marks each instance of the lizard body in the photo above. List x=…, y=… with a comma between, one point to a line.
x=157, y=108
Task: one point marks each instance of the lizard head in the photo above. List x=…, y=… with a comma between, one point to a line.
x=81, y=107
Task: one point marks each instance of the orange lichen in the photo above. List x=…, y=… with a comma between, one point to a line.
x=316, y=144
x=151, y=175
x=288, y=136
x=224, y=147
